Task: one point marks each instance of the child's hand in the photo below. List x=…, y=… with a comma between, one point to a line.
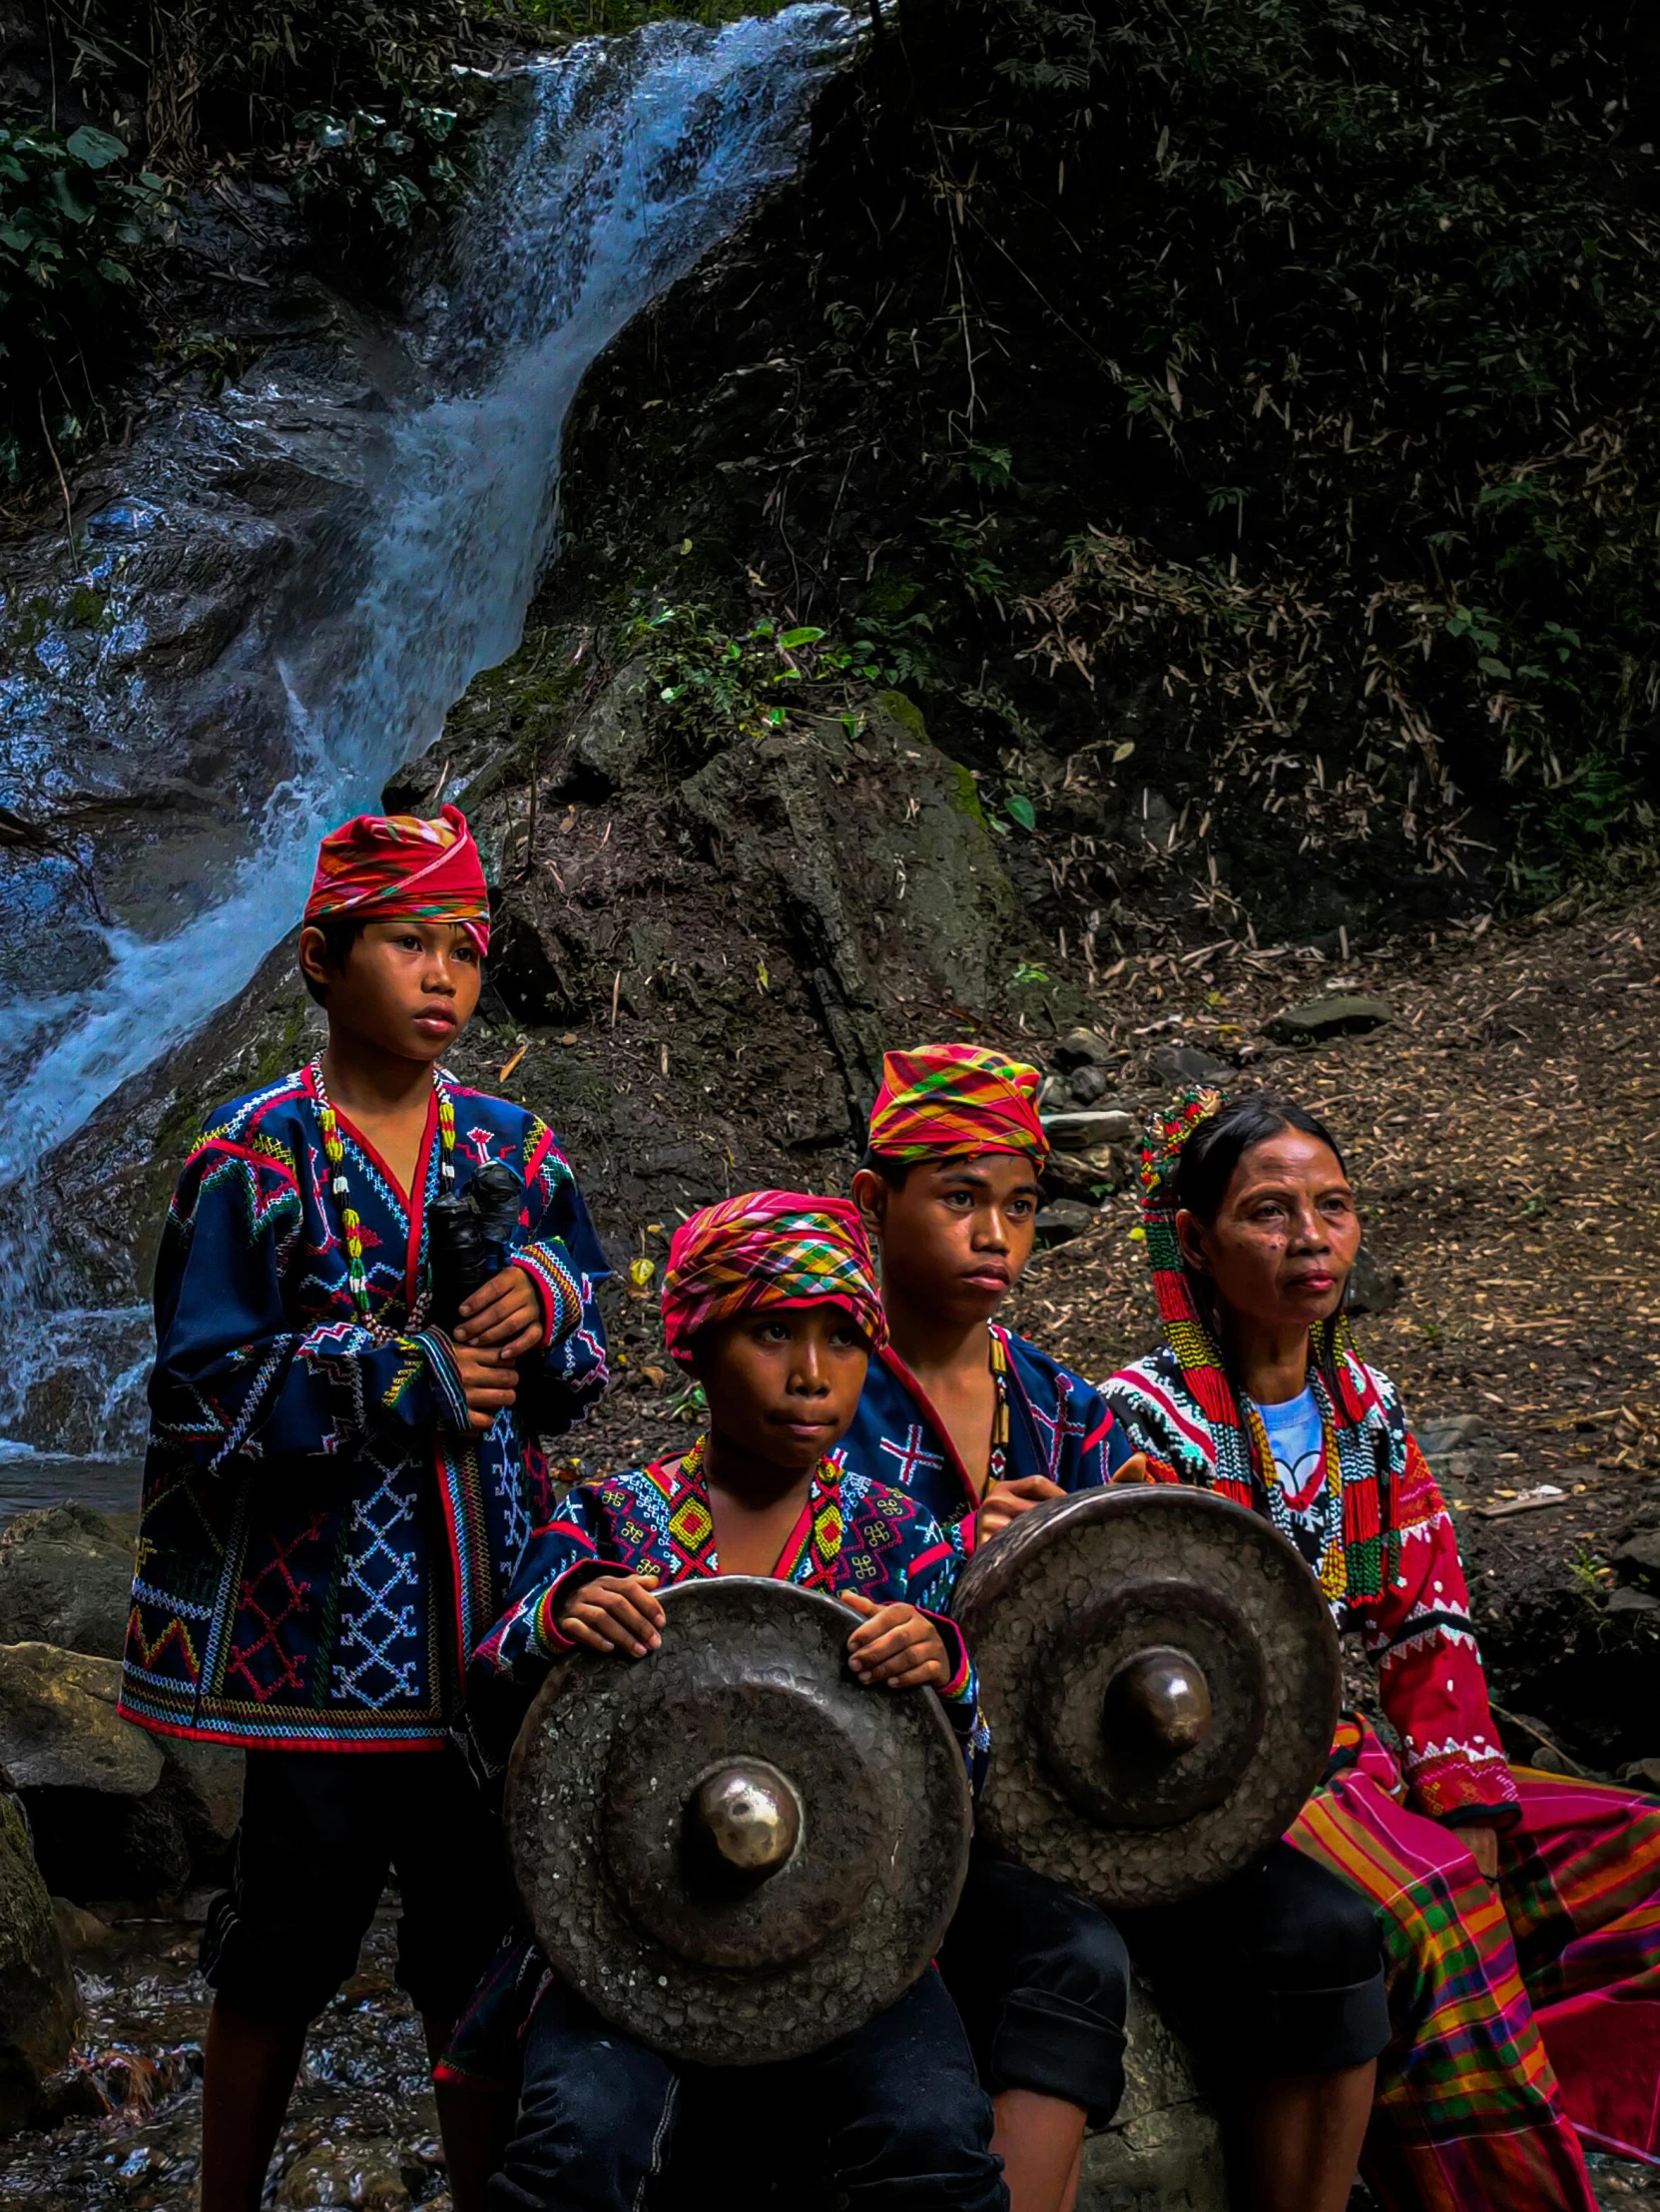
x=895, y=1644
x=504, y=1316
x=488, y=1384
x=1004, y=1501
x=1133, y=1470
x=1482, y=1844
x=615, y=1613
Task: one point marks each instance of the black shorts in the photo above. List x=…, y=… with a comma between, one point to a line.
x=1277, y=1970
x=320, y=1832
x=1043, y=1981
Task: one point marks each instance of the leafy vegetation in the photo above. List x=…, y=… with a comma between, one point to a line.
x=712, y=686
x=1242, y=417
x=71, y=217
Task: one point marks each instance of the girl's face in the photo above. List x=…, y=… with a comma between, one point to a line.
x=1285, y=1236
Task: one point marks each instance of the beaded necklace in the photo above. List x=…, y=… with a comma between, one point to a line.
x=1334, y=1556
x=351, y=1226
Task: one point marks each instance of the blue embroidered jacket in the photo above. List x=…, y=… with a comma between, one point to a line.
x=852, y=1534
x=323, y=1541
x=1057, y=1426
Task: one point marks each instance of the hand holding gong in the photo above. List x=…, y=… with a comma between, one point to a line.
x=730, y=1847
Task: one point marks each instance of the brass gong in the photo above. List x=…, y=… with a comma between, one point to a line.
x=1162, y=1678
x=732, y=1848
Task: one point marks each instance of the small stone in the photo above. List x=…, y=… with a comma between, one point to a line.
x=78, y=1930
x=1628, y=1600
x=1178, y=1064
x=1081, y=1048
x=1065, y=1218
x=354, y=2175
x=1436, y=1438
x=1102, y=1124
x=1641, y=1552
x=1087, y=1084
x=1546, y=1759
x=1643, y=1774
x=1079, y=1174
x=1320, y=1018
x=1373, y=1287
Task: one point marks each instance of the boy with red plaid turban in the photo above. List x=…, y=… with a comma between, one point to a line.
x=981, y=1424
x=337, y=1488
x=770, y=1299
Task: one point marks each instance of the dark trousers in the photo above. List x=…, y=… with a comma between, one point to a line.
x=321, y=1831
x=886, y=2119
x=1043, y=1981
x=1279, y=1970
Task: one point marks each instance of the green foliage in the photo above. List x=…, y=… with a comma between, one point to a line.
x=713, y=685
x=73, y=220
x=1379, y=337
x=354, y=102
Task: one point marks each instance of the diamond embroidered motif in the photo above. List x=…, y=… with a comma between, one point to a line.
x=370, y=1665
x=691, y=1524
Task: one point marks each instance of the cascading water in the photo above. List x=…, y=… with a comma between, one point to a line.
x=622, y=161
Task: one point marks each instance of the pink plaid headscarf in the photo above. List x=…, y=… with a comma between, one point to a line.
x=767, y=1247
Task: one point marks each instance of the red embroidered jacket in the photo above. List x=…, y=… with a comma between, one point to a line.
x=1406, y=1592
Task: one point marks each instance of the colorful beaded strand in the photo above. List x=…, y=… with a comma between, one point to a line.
x=351, y=1226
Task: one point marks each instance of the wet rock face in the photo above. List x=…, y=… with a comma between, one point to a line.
x=143, y=720
x=65, y=1578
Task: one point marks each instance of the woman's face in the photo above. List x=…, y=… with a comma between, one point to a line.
x=1285, y=1236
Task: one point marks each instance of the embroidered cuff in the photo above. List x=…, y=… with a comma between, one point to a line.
x=961, y=1690
x=558, y=1286
x=542, y=1619
x=439, y=1354
x=1453, y=1782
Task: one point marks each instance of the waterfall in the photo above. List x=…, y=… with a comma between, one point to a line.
x=617, y=166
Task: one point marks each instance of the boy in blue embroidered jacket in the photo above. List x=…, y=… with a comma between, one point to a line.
x=977, y=1422
x=770, y=1299
x=337, y=1490
x=981, y=1424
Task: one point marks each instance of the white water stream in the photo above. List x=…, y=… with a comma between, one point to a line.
x=631, y=157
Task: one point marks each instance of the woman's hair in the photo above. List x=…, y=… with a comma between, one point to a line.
x=1216, y=1146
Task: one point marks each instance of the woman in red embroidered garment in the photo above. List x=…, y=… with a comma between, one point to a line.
x=1521, y=1912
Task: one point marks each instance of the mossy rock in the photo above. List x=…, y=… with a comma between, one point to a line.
x=38, y=2004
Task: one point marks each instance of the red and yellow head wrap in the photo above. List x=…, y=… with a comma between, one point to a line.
x=953, y=1101
x=767, y=1247
x=379, y=866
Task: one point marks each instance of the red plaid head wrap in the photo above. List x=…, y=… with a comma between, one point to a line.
x=953, y=1101
x=767, y=1247
x=380, y=865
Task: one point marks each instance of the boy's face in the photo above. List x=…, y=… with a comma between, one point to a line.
x=784, y=1383
x=408, y=987
x=957, y=1235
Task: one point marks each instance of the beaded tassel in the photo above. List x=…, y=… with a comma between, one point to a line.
x=334, y=1145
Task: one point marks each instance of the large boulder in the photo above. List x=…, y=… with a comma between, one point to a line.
x=1163, y=2151
x=113, y=1813
x=38, y=2005
x=65, y=1576
x=59, y=1727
